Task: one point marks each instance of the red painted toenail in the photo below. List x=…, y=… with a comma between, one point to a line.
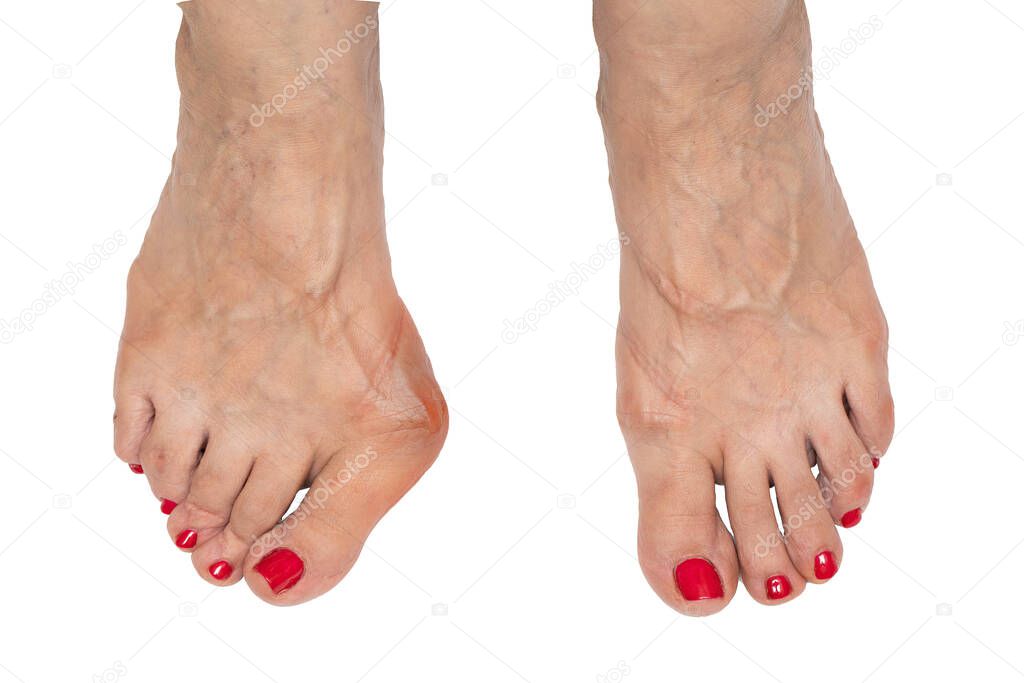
x=875, y=462
x=167, y=506
x=825, y=566
x=698, y=580
x=777, y=587
x=136, y=468
x=187, y=539
x=851, y=518
x=282, y=569
x=221, y=570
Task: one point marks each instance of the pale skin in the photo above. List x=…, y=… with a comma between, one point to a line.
x=266, y=349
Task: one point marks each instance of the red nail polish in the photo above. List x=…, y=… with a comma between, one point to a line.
x=698, y=580
x=851, y=518
x=825, y=566
x=136, y=468
x=875, y=462
x=777, y=587
x=221, y=570
x=167, y=506
x=282, y=569
x=187, y=539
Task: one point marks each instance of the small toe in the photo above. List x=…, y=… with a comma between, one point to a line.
x=686, y=552
x=133, y=415
x=812, y=540
x=765, y=567
x=872, y=413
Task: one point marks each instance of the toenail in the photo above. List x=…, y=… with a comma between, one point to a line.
x=221, y=570
x=167, y=506
x=875, y=463
x=825, y=566
x=282, y=569
x=135, y=467
x=851, y=518
x=777, y=587
x=187, y=539
x=698, y=580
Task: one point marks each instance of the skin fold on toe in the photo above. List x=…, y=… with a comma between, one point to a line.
x=265, y=348
x=751, y=346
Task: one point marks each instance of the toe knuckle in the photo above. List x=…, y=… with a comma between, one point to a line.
x=157, y=461
x=204, y=514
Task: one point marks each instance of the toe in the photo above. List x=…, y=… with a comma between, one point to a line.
x=260, y=505
x=765, y=566
x=872, y=413
x=686, y=552
x=846, y=471
x=168, y=456
x=216, y=482
x=314, y=547
x=812, y=540
x=133, y=415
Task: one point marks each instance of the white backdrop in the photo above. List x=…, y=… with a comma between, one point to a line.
x=514, y=558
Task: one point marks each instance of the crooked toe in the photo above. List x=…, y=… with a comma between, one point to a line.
x=168, y=455
x=260, y=505
x=206, y=508
x=313, y=549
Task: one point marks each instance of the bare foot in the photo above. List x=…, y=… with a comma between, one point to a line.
x=265, y=348
x=751, y=344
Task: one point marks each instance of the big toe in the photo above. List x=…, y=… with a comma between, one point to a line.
x=313, y=549
x=686, y=552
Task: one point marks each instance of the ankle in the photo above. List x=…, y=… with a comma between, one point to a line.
x=280, y=144
x=701, y=61
x=278, y=66
x=715, y=33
